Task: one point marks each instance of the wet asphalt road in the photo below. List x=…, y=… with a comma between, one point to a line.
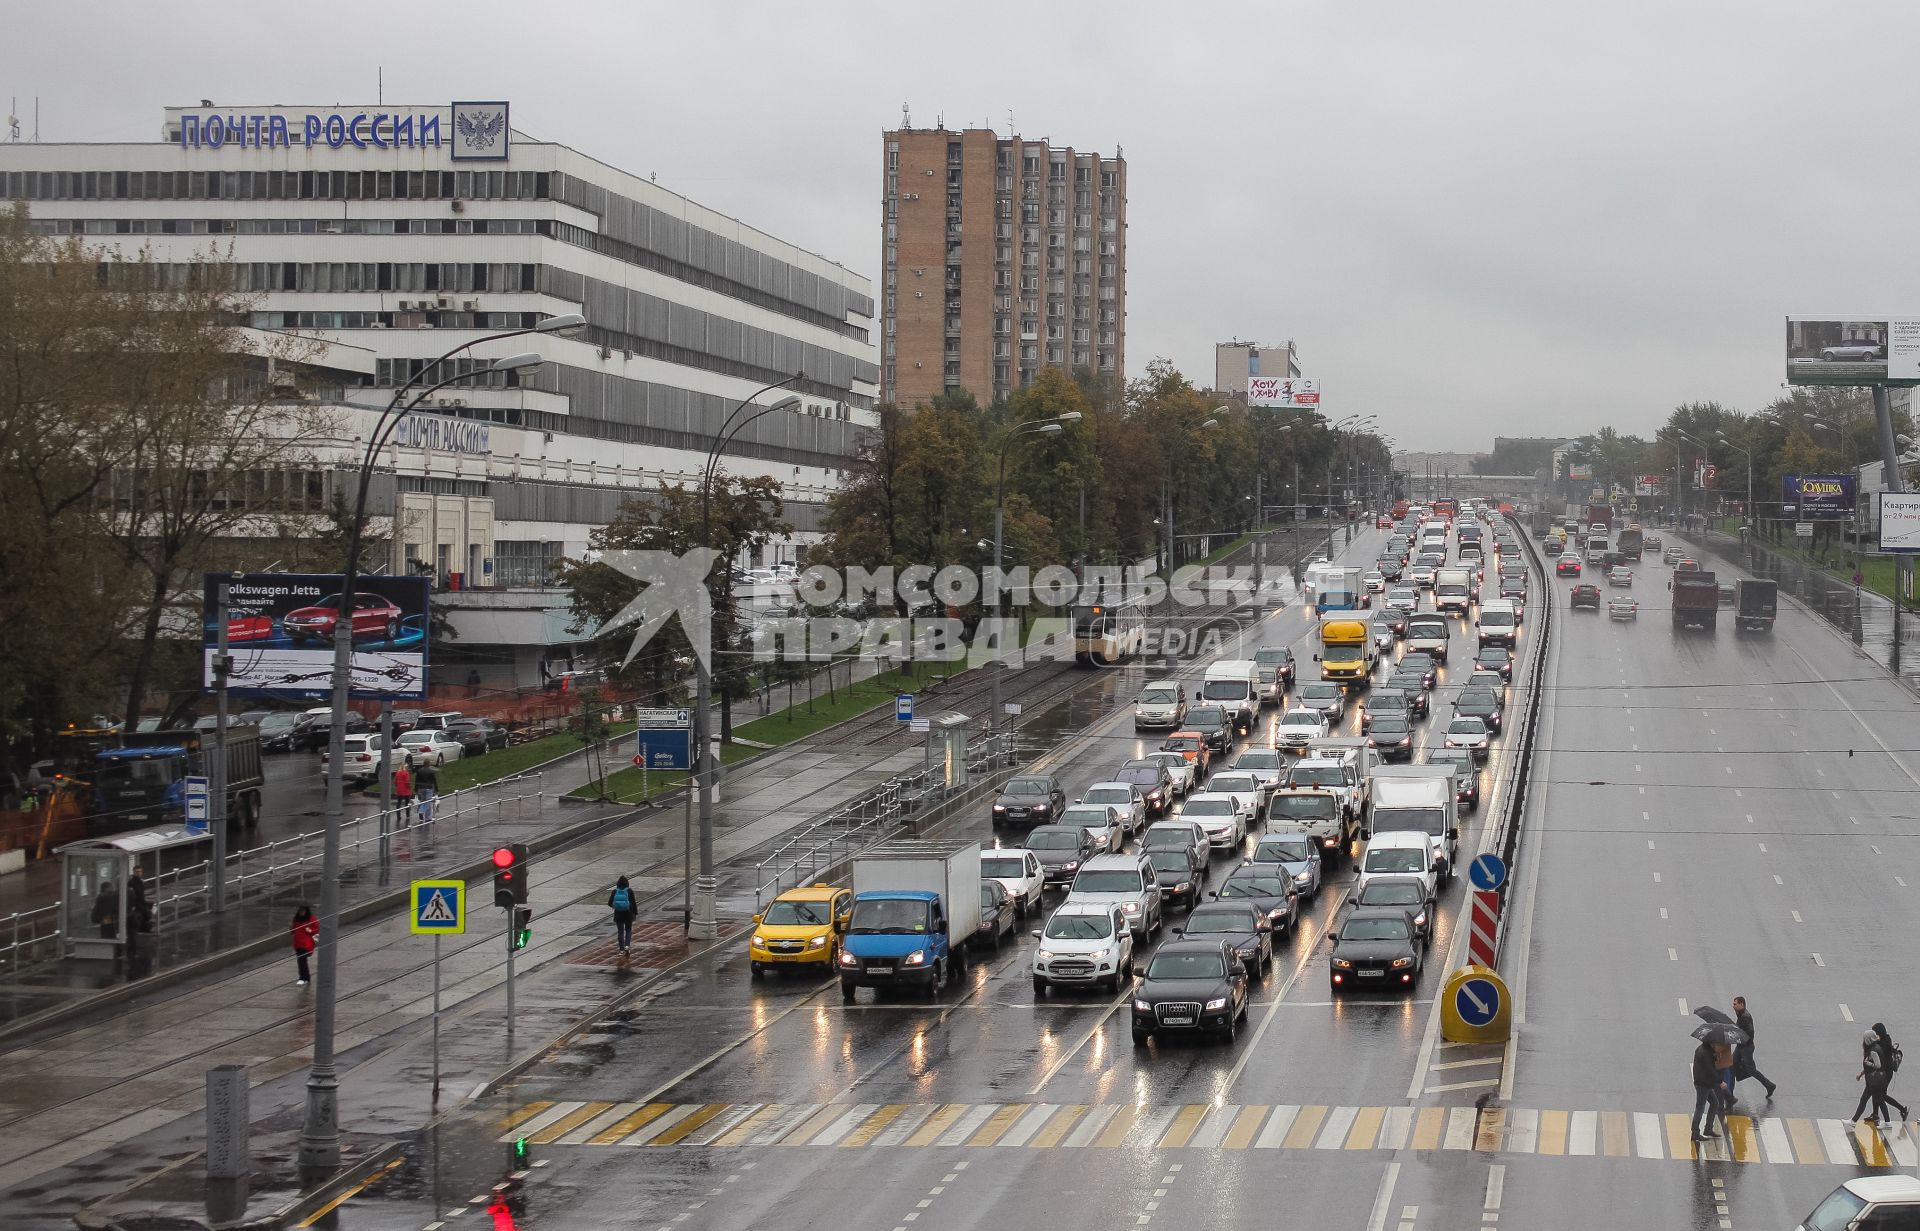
x=1678, y=779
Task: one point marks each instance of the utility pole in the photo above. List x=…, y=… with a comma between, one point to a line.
x=1890, y=459
x=217, y=763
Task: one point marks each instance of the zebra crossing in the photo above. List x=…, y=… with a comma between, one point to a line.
x=1643, y=1135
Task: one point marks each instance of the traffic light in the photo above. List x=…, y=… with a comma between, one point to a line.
x=521, y=934
x=510, y=875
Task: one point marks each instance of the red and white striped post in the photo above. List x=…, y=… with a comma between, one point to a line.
x=1483, y=928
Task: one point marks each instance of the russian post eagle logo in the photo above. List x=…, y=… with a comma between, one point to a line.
x=480, y=130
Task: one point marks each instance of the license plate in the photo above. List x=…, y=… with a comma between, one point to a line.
x=1182, y=1020
x=1370, y=974
x=1016, y=811
x=879, y=970
x=786, y=957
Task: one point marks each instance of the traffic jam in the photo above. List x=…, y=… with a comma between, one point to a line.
x=1330, y=778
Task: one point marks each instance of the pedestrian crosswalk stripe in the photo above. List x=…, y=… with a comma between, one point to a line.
x=1554, y=1132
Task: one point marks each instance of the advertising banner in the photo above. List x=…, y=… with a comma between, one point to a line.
x=1650, y=485
x=1900, y=522
x=280, y=629
x=1818, y=495
x=1289, y=392
x=1853, y=352
x=1580, y=472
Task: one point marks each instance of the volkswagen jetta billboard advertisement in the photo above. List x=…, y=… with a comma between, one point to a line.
x=280, y=630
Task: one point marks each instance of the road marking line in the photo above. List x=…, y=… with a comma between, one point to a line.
x=1679, y=1135
x=1460, y=1129
x=1763, y=849
x=1903, y=1150
x=1616, y=1134
x=524, y=1113
x=1117, y=1127
x=1278, y=1124
x=1846, y=1014
x=1240, y=1136
x=1836, y=1142
x=1778, y=881
x=1773, y=1142
x=997, y=1123
x=1656, y=878
x=1741, y=1142
x=1796, y=917
x=1900, y=881
x=1646, y=1135
x=746, y=1130
x=1428, y=1127
x=1383, y=1198
x=1806, y=1140
x=1523, y=1130
x=1393, y=1133
x=1305, y=1126
x=1874, y=849
x=1490, y=1129
x=936, y=1124
x=1463, y=1085
x=1581, y=1133
x=968, y=1123
x=1334, y=1134
x=614, y=1113
x=685, y=1126
x=1029, y=1124
x=1818, y=960
x=1185, y=1120
x=553, y=1111
x=785, y=1123
x=1085, y=1126
x=1683, y=1006
x=1467, y=1064
x=1673, y=955
x=567, y=1123
x=1749, y=818
x=1496, y=1185
x=1663, y=912
x=1214, y=1128
x=873, y=1126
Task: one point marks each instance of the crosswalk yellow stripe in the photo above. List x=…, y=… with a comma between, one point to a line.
x=864, y=1132
x=1117, y=1128
x=938, y=1123
x=1245, y=1125
x=1306, y=1126
x=1867, y=1141
x=1679, y=1135
x=1553, y=1132
x=1366, y=1127
x=997, y=1123
x=1806, y=1140
x=1493, y=1127
x=743, y=1132
x=1742, y=1142
x=1615, y=1139
x=1184, y=1122
x=567, y=1123
x=1058, y=1126
x=1427, y=1128
x=688, y=1126
x=627, y=1125
x=523, y=1114
x=813, y=1124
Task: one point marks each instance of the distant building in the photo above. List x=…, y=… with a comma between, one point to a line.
x=1234, y=361
x=999, y=256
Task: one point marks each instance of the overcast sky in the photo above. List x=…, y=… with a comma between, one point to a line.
x=1474, y=218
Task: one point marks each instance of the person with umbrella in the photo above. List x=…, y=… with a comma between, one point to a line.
x=1718, y=1037
x=1743, y=1062
x=1705, y=1101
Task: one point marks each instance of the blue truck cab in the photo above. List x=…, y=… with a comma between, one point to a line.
x=915, y=905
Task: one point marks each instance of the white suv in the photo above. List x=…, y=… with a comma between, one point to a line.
x=1083, y=943
x=360, y=757
x=1225, y=817
x=1127, y=882
x=1019, y=873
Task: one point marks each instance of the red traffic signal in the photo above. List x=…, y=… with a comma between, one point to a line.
x=505, y=856
x=509, y=875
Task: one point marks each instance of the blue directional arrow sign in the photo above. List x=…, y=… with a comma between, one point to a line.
x=1487, y=872
x=1477, y=1001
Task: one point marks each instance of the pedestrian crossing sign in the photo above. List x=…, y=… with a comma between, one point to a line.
x=439, y=907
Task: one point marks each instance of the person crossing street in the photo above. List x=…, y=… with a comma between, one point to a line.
x=1706, y=1097
x=1743, y=1065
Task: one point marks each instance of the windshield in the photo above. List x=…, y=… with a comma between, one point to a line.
x=1403, y=820
x=1167, y=837
x=1319, y=775
x=1302, y=718
x=1243, y=886
x=1496, y=619
x=1208, y=807
x=1287, y=850
x=1107, y=880
x=1314, y=807
x=1214, y=921
x=889, y=915
x=1027, y=786
x=273, y=722
x=1271, y=656
x=1207, y=716
x=1003, y=867
x=1427, y=628
x=1390, y=724
x=1319, y=692
x=1189, y=742
x=798, y=914
x=1088, y=818
x=1258, y=758
x=1057, y=840
x=1375, y=929
x=1392, y=893
x=1110, y=795
x=1171, y=861
x=1494, y=655
x=1224, y=690
x=1467, y=726
x=1836, y=1213
x=1397, y=859
x=988, y=894
x=1079, y=927
x=1187, y=966
x=1159, y=696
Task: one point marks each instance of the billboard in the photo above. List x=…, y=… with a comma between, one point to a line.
x=1581, y=472
x=1290, y=392
x=1818, y=495
x=1650, y=485
x=1900, y=522
x=280, y=630
x=1853, y=352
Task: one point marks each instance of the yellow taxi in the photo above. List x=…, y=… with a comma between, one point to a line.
x=801, y=927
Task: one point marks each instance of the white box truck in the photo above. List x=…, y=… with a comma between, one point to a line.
x=1418, y=798
x=916, y=904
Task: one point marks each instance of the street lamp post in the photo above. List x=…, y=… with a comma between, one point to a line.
x=1166, y=497
x=319, y=1151
x=702, y=914
x=1722, y=438
x=1039, y=427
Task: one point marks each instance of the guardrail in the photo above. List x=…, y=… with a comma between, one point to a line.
x=1505, y=839
x=34, y=936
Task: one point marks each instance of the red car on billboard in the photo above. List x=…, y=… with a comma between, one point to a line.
x=373, y=619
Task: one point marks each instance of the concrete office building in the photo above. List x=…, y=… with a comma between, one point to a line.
x=1000, y=256
x=391, y=234
x=1234, y=361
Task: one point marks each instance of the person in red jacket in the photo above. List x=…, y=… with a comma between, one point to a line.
x=306, y=934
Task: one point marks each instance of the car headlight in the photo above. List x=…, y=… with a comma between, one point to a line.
x=1279, y=912
x=1400, y=962
x=1301, y=878
x=759, y=941
x=1099, y=955
x=1132, y=908
x=1217, y=1003
x=1045, y=955
x=1420, y=920
x=818, y=942
x=1247, y=950
x=1143, y=1006
x=1070, y=865
x=848, y=959
x=1043, y=807
x=1341, y=963
x=999, y=807
x=917, y=958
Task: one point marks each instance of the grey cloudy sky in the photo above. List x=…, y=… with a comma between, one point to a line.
x=1476, y=218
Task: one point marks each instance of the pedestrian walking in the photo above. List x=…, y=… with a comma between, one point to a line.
x=306, y=934
x=426, y=786
x=624, y=906
x=1879, y=1060
x=1723, y=1075
x=1743, y=1065
x=1706, y=1102
x=402, y=790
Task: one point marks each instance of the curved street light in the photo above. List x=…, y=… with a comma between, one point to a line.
x=1038, y=427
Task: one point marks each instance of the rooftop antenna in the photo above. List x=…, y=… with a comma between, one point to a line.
x=906, y=116
x=13, y=119
x=1010, y=128
x=379, y=84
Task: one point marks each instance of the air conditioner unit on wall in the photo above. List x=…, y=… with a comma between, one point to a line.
x=470, y=305
x=443, y=302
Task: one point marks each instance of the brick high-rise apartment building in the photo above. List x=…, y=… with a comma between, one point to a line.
x=1000, y=256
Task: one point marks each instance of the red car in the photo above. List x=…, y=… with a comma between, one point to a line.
x=1566, y=566
x=246, y=626
x=1383, y=522
x=374, y=618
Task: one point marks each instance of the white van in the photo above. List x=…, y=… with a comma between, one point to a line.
x=1453, y=590
x=1427, y=631
x=1235, y=684
x=1499, y=622
x=1399, y=854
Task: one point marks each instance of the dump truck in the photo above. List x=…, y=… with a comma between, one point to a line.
x=143, y=782
x=1756, y=600
x=1696, y=600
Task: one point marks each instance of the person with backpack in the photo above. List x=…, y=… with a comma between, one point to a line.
x=1879, y=1060
x=624, y=905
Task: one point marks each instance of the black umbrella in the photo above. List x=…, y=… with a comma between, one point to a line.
x=1707, y=1013
x=1720, y=1032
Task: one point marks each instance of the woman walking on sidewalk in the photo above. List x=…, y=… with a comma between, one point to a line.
x=306, y=934
x=621, y=900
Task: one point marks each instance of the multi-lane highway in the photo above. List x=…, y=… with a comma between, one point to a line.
x=1707, y=817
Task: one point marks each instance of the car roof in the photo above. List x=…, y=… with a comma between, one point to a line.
x=1413, y=882
x=1883, y=1187
x=1174, y=684
x=1099, y=862
x=1124, y=786
x=1084, y=907
x=810, y=893
x=1379, y=912
x=1393, y=839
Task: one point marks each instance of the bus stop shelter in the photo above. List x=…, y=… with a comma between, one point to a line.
x=93, y=886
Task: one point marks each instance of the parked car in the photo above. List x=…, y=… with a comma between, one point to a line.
x=478, y=736
x=312, y=728
x=361, y=757
x=430, y=748
x=276, y=731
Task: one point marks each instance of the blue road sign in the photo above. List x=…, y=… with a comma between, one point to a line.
x=1477, y=1001
x=1487, y=872
x=198, y=803
x=666, y=747
x=903, y=707
x=439, y=906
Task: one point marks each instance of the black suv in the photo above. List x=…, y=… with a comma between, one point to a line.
x=478, y=736
x=1191, y=987
x=1214, y=723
